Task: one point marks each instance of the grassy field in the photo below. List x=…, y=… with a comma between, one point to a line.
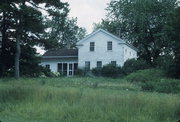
x=83, y=100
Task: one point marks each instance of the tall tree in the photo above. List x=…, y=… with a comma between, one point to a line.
x=142, y=23
x=23, y=24
x=173, y=32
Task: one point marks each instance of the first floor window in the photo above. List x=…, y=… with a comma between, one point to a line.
x=60, y=66
x=99, y=64
x=87, y=65
x=75, y=68
x=113, y=63
x=47, y=66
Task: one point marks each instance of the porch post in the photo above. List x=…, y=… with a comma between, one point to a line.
x=72, y=69
x=67, y=69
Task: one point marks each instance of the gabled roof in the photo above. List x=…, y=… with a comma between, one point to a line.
x=107, y=33
x=61, y=53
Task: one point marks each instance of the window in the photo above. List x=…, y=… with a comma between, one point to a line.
x=109, y=45
x=99, y=64
x=47, y=66
x=65, y=69
x=75, y=68
x=113, y=63
x=92, y=46
x=87, y=66
x=60, y=67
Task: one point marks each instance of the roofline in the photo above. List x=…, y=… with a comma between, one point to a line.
x=108, y=33
x=47, y=57
x=130, y=46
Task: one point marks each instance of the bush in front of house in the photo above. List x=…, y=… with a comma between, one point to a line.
x=80, y=72
x=45, y=72
x=110, y=70
x=133, y=65
x=162, y=86
x=146, y=75
x=97, y=71
x=154, y=80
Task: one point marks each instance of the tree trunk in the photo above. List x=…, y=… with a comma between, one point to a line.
x=18, y=40
x=17, y=56
x=3, y=46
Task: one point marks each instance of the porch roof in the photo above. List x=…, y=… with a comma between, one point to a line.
x=61, y=53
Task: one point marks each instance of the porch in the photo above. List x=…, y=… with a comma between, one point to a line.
x=67, y=69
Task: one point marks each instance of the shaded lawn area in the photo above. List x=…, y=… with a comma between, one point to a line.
x=83, y=99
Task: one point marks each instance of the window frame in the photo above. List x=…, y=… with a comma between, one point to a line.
x=89, y=66
x=92, y=46
x=114, y=63
x=109, y=45
x=97, y=64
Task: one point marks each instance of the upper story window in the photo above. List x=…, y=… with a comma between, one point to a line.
x=47, y=66
x=109, y=45
x=92, y=44
x=99, y=64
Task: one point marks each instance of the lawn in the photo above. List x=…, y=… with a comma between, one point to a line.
x=83, y=100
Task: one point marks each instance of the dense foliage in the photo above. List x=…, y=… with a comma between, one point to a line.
x=133, y=65
x=150, y=25
x=23, y=26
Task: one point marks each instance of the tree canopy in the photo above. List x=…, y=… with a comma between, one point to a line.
x=23, y=26
x=142, y=23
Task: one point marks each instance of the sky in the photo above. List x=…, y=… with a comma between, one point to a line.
x=87, y=11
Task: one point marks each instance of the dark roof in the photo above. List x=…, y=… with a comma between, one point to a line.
x=61, y=53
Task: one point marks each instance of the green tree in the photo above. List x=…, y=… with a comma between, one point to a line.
x=22, y=24
x=142, y=23
x=64, y=34
x=174, y=37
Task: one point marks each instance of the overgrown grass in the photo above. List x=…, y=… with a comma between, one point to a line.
x=83, y=100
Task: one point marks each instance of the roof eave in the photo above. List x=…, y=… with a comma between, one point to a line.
x=131, y=46
x=49, y=57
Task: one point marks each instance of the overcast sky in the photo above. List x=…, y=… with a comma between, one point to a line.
x=87, y=11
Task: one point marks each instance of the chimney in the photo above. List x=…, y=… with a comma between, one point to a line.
x=118, y=32
x=68, y=46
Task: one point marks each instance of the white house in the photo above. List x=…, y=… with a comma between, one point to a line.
x=97, y=49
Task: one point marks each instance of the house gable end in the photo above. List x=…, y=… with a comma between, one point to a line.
x=120, y=41
x=97, y=32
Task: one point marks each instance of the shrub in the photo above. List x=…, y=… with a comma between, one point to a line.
x=56, y=74
x=45, y=72
x=110, y=70
x=133, y=65
x=80, y=72
x=148, y=86
x=168, y=86
x=96, y=71
x=170, y=66
x=162, y=86
x=145, y=75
